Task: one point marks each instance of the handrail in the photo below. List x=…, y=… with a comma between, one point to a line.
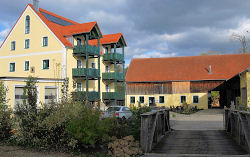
x=238, y=127
x=154, y=126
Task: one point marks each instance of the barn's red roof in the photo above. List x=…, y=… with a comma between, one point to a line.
x=62, y=32
x=193, y=68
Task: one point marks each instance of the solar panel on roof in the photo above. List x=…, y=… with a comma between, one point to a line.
x=57, y=20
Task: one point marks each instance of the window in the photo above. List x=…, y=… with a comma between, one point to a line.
x=93, y=65
x=79, y=41
x=195, y=99
x=46, y=64
x=26, y=66
x=13, y=46
x=50, y=95
x=45, y=41
x=27, y=44
x=161, y=99
x=12, y=67
x=183, y=99
x=132, y=99
x=141, y=99
x=79, y=64
x=107, y=88
x=106, y=50
x=79, y=87
x=27, y=24
x=19, y=96
x=107, y=69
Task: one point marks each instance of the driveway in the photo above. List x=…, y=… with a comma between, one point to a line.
x=209, y=119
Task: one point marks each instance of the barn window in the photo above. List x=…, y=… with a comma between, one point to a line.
x=161, y=99
x=132, y=100
x=195, y=99
x=183, y=99
x=141, y=99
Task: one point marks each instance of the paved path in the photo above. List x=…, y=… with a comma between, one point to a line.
x=211, y=119
x=198, y=142
x=199, y=134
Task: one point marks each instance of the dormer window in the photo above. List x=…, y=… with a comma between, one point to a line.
x=27, y=24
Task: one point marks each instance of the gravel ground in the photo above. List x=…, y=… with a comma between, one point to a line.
x=13, y=151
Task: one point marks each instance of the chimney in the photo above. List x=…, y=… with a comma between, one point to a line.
x=36, y=5
x=210, y=69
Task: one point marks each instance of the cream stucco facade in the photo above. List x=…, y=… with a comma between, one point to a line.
x=59, y=66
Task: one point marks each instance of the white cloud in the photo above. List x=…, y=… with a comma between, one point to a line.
x=154, y=54
x=107, y=18
x=3, y=34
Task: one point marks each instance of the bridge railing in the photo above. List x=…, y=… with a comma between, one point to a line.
x=237, y=123
x=154, y=126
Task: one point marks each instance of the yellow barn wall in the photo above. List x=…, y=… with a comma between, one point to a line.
x=248, y=88
x=40, y=87
x=245, y=83
x=172, y=99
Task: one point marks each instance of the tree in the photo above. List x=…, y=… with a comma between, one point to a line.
x=240, y=37
x=3, y=92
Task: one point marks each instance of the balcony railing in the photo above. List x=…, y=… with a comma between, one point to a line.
x=113, y=57
x=82, y=72
x=81, y=96
x=113, y=95
x=83, y=49
x=113, y=76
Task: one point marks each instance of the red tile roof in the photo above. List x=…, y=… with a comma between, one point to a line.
x=62, y=32
x=79, y=28
x=108, y=39
x=194, y=68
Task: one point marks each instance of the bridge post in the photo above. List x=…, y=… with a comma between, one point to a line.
x=237, y=123
x=154, y=126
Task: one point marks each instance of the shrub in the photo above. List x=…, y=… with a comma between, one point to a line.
x=5, y=114
x=88, y=128
x=5, y=122
x=132, y=126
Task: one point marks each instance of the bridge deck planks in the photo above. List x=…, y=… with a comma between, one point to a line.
x=198, y=142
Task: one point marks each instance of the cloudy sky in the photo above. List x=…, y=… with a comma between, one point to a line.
x=152, y=28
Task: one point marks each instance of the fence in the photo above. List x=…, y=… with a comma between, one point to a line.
x=154, y=126
x=237, y=123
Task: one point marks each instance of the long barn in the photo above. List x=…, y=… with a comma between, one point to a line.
x=174, y=80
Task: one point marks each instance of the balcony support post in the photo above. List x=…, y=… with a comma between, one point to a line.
x=99, y=69
x=87, y=67
x=123, y=70
x=115, y=72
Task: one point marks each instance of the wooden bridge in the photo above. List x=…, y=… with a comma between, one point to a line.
x=157, y=138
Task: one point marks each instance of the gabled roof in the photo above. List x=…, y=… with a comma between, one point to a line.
x=109, y=39
x=78, y=28
x=61, y=26
x=193, y=68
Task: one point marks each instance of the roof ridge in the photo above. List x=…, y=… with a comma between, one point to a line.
x=191, y=56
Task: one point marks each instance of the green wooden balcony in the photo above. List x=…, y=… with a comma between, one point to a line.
x=81, y=96
x=113, y=95
x=81, y=50
x=113, y=57
x=82, y=72
x=113, y=76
